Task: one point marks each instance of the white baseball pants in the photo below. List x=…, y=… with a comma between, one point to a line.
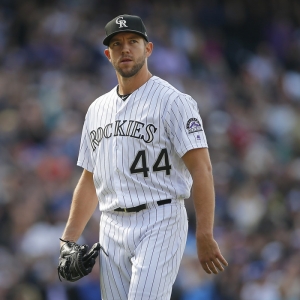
x=144, y=251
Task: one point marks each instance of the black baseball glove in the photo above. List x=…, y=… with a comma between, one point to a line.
x=75, y=261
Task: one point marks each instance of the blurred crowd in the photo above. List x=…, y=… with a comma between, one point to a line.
x=239, y=59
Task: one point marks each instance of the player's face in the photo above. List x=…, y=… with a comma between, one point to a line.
x=128, y=53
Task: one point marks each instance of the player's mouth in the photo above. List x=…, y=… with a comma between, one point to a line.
x=125, y=60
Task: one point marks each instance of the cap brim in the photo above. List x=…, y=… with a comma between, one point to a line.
x=108, y=38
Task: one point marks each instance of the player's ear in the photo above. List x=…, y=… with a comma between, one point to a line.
x=107, y=54
x=149, y=48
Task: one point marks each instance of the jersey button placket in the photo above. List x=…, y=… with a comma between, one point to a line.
x=115, y=151
x=116, y=163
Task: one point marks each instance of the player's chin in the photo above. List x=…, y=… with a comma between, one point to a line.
x=127, y=73
x=126, y=68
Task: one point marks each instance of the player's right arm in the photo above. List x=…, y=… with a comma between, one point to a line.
x=83, y=205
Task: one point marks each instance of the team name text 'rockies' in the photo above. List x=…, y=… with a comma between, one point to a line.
x=129, y=128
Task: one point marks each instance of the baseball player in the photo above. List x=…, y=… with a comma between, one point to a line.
x=143, y=147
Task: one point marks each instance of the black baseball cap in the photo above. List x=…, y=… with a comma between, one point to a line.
x=124, y=23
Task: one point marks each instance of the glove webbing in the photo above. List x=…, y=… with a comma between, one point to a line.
x=77, y=247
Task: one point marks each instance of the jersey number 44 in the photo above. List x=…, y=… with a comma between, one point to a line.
x=161, y=163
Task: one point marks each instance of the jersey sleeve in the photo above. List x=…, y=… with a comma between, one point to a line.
x=184, y=125
x=85, y=155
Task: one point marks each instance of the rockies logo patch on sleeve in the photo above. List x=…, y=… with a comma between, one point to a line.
x=193, y=125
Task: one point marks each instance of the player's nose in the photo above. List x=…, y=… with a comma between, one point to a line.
x=125, y=49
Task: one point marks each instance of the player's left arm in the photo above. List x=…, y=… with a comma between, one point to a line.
x=198, y=163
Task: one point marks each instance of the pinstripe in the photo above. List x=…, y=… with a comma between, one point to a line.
x=160, y=142
x=167, y=267
x=171, y=263
x=141, y=201
x=119, y=258
x=127, y=246
x=84, y=145
x=126, y=112
x=107, y=150
x=171, y=182
x=106, y=162
x=109, y=266
x=143, y=263
x=130, y=197
x=162, y=128
x=141, y=146
x=156, y=181
x=157, y=271
x=103, y=267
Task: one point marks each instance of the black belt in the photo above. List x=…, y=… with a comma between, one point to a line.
x=142, y=206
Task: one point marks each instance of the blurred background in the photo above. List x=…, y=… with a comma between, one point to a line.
x=239, y=59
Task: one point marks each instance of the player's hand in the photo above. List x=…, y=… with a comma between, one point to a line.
x=210, y=255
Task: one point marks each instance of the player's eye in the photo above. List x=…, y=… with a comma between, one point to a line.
x=115, y=44
x=133, y=41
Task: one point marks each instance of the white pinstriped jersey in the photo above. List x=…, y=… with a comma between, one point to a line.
x=134, y=147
